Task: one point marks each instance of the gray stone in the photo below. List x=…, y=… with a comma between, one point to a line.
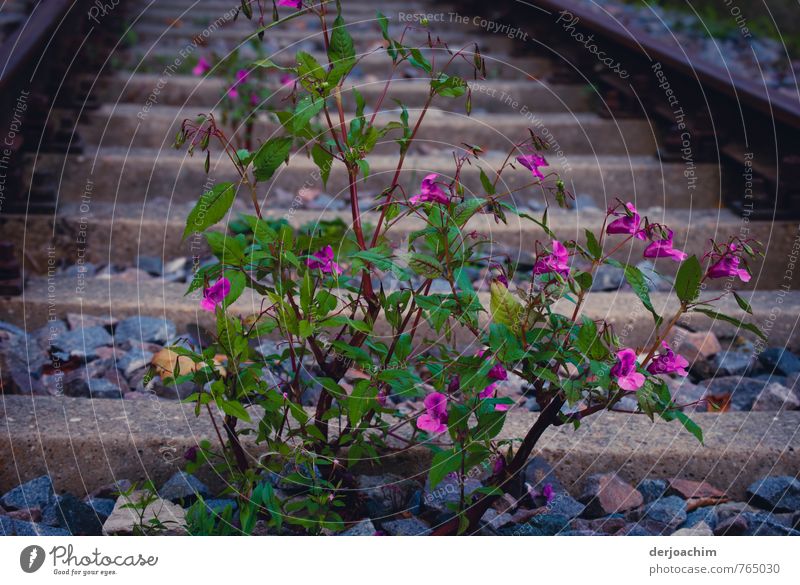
x=608, y=278
x=150, y=264
x=741, y=392
x=77, y=517
x=50, y=512
x=36, y=493
x=406, y=527
x=532, y=405
x=607, y=493
x=83, y=343
x=684, y=393
x=733, y=362
x=539, y=525
x=775, y=397
x=102, y=506
x=494, y=519
x=780, y=361
x=761, y=524
x=698, y=529
x=652, y=489
x=775, y=494
x=447, y=493
x=324, y=201
x=635, y=530
x=183, y=488
x=311, y=394
x=78, y=321
x=136, y=359
x=124, y=520
x=663, y=515
x=11, y=527
x=706, y=515
x=386, y=495
x=145, y=329
x=92, y=388
x=538, y=473
x=363, y=528
x=565, y=505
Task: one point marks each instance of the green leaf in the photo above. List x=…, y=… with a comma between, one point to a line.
x=305, y=329
x=271, y=156
x=592, y=245
x=324, y=161
x=418, y=60
x=233, y=408
x=425, y=265
x=464, y=211
x=687, y=281
x=383, y=22
x=733, y=320
x=306, y=108
x=212, y=207
x=446, y=86
x=307, y=66
x=743, y=304
x=341, y=49
x=238, y=283
x=504, y=307
x=690, y=425
x=638, y=283
x=487, y=184
x=360, y=401
x=444, y=462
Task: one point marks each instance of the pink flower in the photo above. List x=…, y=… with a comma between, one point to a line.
x=435, y=418
x=233, y=93
x=241, y=76
x=498, y=372
x=625, y=370
x=488, y=391
x=290, y=3
x=555, y=262
x=324, y=261
x=286, y=79
x=499, y=465
x=383, y=394
x=215, y=294
x=728, y=265
x=532, y=162
x=547, y=492
x=430, y=191
x=628, y=223
x=254, y=99
x=664, y=249
x=203, y=66
x=668, y=362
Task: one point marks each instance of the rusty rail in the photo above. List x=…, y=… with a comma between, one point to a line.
x=41, y=73
x=705, y=113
